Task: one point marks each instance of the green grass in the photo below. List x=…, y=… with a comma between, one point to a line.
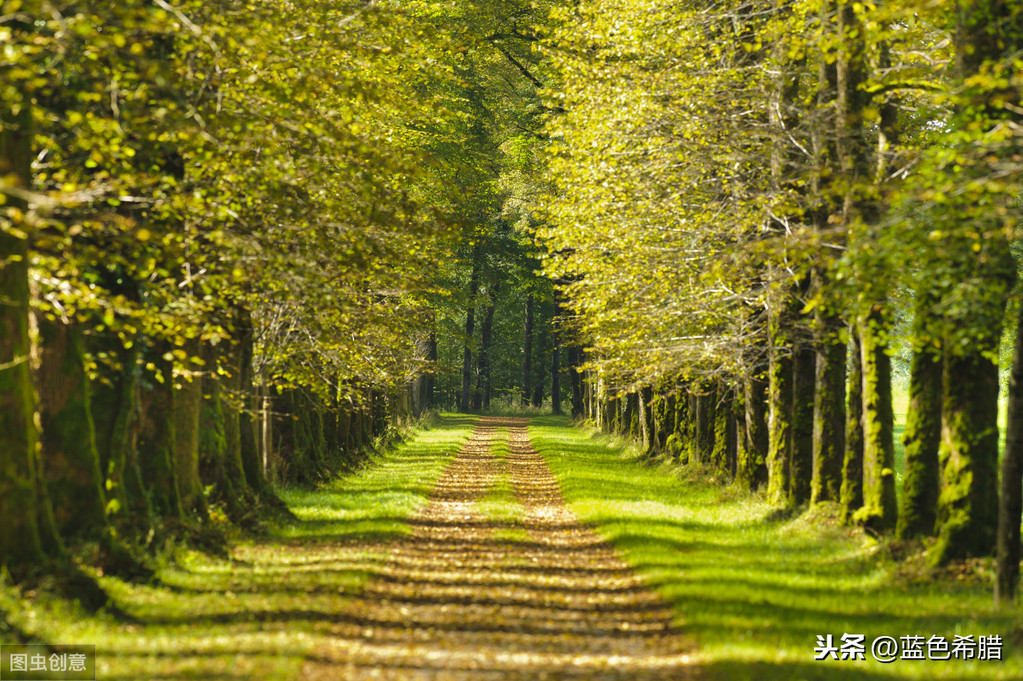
x=258, y=613
x=754, y=588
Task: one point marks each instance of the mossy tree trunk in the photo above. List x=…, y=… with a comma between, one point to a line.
x=723, y=406
x=187, y=405
x=967, y=503
x=116, y=416
x=703, y=446
x=157, y=441
x=828, y=415
x=68, y=443
x=247, y=402
x=851, y=499
x=751, y=464
x=922, y=437
x=804, y=371
x=1010, y=508
x=780, y=393
x=20, y=541
x=879, y=502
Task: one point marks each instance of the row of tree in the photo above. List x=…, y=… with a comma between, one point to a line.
x=226, y=233
x=745, y=194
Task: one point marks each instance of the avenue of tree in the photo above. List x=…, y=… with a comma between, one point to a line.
x=239, y=240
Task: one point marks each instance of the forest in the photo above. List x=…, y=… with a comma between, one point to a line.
x=255, y=252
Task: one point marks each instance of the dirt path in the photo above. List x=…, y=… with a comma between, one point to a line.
x=470, y=597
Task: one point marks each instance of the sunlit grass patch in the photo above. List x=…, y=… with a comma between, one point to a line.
x=260, y=612
x=753, y=587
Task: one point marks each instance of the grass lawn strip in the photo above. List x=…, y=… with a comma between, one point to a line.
x=754, y=587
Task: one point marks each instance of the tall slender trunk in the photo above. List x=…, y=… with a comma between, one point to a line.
x=851, y=499
x=706, y=402
x=1010, y=509
x=804, y=371
x=481, y=398
x=527, y=351
x=751, y=466
x=922, y=438
x=470, y=329
x=575, y=378
x=780, y=391
x=828, y=416
x=556, y=356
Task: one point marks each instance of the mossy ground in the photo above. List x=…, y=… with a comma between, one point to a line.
x=754, y=587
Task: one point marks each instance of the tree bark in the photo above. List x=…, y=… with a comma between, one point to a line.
x=187, y=404
x=470, y=329
x=20, y=542
x=751, y=466
x=527, y=352
x=780, y=394
x=851, y=499
x=879, y=502
x=481, y=399
x=1010, y=509
x=157, y=441
x=68, y=444
x=828, y=417
x=922, y=437
x=804, y=370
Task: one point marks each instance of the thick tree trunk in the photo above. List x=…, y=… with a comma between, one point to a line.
x=779, y=451
x=804, y=370
x=828, y=419
x=527, y=352
x=879, y=502
x=706, y=401
x=68, y=444
x=851, y=499
x=20, y=543
x=922, y=439
x=719, y=457
x=187, y=407
x=751, y=465
x=1010, y=509
x=157, y=441
x=968, y=504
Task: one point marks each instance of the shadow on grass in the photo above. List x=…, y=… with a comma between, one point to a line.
x=754, y=588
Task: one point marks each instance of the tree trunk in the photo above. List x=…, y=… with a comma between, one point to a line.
x=804, y=370
x=20, y=542
x=248, y=403
x=751, y=465
x=879, y=502
x=828, y=417
x=780, y=395
x=556, y=357
x=722, y=413
x=157, y=441
x=575, y=378
x=187, y=405
x=706, y=401
x=68, y=444
x=968, y=504
x=922, y=438
x=470, y=329
x=481, y=399
x=1010, y=509
x=527, y=352
x=851, y=499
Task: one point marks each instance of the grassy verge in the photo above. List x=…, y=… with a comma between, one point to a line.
x=754, y=588
x=256, y=614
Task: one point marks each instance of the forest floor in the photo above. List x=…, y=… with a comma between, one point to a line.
x=456, y=556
